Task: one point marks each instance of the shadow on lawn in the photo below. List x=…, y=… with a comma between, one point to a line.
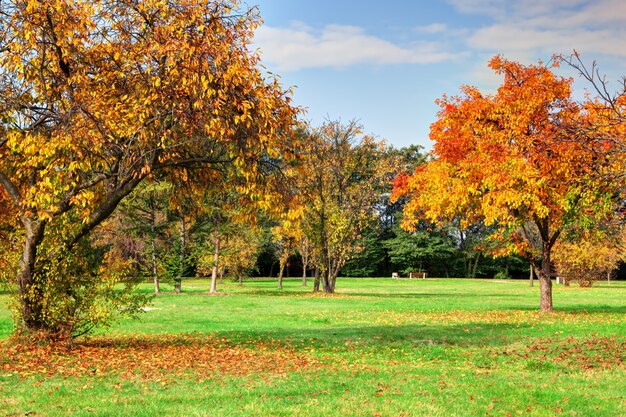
x=365, y=294
x=444, y=295
x=578, y=309
x=392, y=336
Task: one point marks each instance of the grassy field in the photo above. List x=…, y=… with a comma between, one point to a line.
x=376, y=348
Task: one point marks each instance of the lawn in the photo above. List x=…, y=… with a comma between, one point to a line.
x=436, y=347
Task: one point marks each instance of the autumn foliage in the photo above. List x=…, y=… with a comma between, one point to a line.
x=589, y=258
x=507, y=160
x=98, y=96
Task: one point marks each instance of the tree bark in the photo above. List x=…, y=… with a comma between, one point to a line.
x=155, y=276
x=545, y=281
x=240, y=279
x=532, y=275
x=329, y=280
x=181, y=255
x=304, y=275
x=30, y=293
x=216, y=258
x=316, y=281
x=280, y=275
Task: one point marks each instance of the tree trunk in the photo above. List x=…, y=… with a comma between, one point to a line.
x=183, y=248
x=280, y=275
x=608, y=277
x=240, y=279
x=329, y=282
x=30, y=293
x=532, y=275
x=475, y=268
x=545, y=281
x=155, y=276
x=316, y=281
x=216, y=258
x=304, y=275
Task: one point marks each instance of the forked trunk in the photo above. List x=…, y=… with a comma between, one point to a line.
x=329, y=282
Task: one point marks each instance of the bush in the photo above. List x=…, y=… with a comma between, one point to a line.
x=502, y=275
x=81, y=290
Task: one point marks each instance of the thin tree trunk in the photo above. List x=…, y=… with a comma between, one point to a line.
x=240, y=279
x=304, y=275
x=475, y=266
x=532, y=275
x=155, y=276
x=316, y=281
x=216, y=258
x=280, y=275
x=182, y=255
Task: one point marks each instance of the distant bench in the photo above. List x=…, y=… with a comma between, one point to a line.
x=412, y=275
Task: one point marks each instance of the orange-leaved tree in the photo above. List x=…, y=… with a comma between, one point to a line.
x=506, y=159
x=97, y=96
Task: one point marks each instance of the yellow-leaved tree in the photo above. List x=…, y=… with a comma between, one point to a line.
x=95, y=97
x=342, y=177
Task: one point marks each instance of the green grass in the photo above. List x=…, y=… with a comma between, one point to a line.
x=378, y=347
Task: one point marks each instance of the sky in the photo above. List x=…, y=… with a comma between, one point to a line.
x=384, y=63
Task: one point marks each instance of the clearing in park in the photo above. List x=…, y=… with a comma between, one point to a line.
x=379, y=347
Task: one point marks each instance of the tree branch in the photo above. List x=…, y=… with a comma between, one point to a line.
x=11, y=189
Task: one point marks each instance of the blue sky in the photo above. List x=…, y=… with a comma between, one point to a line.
x=384, y=63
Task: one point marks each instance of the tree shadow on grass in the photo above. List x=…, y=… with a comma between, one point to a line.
x=578, y=309
x=358, y=294
x=393, y=336
x=445, y=295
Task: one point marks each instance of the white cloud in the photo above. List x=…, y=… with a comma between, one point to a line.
x=557, y=26
x=339, y=46
x=515, y=39
x=432, y=28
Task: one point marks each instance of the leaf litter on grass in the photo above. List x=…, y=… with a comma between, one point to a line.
x=150, y=358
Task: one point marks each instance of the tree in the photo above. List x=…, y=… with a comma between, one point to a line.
x=422, y=250
x=587, y=260
x=307, y=255
x=98, y=96
x=143, y=216
x=284, y=236
x=240, y=251
x=601, y=124
x=507, y=160
x=590, y=255
x=369, y=255
x=342, y=175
